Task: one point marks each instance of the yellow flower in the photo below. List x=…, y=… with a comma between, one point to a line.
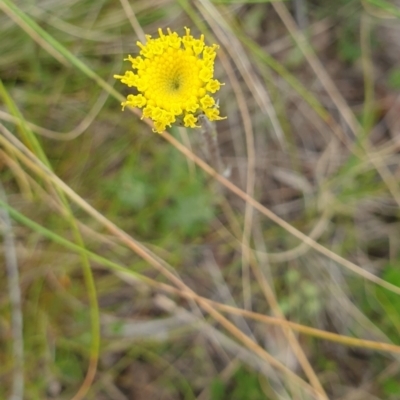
x=174, y=77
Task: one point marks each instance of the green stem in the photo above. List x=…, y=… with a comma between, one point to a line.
x=22, y=219
x=32, y=142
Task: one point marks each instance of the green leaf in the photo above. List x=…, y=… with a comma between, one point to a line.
x=69, y=365
x=394, y=78
x=247, y=386
x=217, y=389
x=391, y=387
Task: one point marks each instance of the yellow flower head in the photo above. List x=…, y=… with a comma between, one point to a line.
x=174, y=77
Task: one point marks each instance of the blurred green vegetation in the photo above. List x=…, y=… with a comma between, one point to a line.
x=150, y=190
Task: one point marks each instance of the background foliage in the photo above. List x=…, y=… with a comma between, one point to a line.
x=311, y=97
